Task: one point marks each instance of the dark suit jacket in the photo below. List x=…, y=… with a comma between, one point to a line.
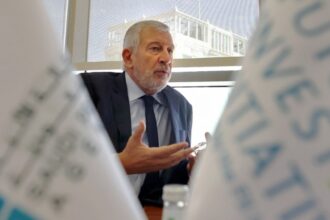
x=108, y=92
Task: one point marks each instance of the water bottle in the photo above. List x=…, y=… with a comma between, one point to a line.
x=175, y=201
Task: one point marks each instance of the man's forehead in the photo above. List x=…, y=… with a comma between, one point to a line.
x=153, y=35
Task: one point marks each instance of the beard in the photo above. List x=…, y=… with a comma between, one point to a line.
x=152, y=82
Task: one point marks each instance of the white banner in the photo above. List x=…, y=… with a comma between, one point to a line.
x=56, y=161
x=270, y=155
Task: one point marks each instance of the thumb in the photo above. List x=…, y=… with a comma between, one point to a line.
x=139, y=132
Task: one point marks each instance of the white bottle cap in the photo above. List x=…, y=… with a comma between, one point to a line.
x=175, y=192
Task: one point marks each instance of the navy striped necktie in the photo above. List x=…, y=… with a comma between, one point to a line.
x=151, y=124
x=151, y=188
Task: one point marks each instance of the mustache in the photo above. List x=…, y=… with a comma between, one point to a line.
x=163, y=69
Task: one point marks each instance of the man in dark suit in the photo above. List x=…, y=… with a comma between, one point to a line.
x=123, y=100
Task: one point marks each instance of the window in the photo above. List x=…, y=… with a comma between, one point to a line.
x=238, y=46
x=193, y=29
x=208, y=103
x=195, y=19
x=184, y=26
x=210, y=38
x=200, y=29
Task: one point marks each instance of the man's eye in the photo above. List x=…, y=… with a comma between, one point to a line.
x=156, y=49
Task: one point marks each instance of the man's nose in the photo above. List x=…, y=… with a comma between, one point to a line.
x=165, y=57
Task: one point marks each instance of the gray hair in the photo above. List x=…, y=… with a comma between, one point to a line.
x=132, y=36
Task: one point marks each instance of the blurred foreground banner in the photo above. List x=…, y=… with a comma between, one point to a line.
x=270, y=155
x=56, y=162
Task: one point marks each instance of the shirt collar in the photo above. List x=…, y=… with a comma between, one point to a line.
x=135, y=92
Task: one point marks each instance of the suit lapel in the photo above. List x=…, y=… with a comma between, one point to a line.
x=178, y=133
x=121, y=111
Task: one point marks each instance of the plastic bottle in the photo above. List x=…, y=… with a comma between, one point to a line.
x=175, y=201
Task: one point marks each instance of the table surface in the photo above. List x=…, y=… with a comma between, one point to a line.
x=153, y=212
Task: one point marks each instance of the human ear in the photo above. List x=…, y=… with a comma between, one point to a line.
x=127, y=58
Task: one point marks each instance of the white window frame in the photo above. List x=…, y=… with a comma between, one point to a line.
x=186, y=70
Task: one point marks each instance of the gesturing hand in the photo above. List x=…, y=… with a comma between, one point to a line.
x=194, y=156
x=139, y=158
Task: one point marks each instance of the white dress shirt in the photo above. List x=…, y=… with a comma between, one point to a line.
x=138, y=113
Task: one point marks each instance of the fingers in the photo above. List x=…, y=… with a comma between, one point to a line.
x=192, y=156
x=191, y=162
x=166, y=156
x=171, y=160
x=169, y=157
x=165, y=151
